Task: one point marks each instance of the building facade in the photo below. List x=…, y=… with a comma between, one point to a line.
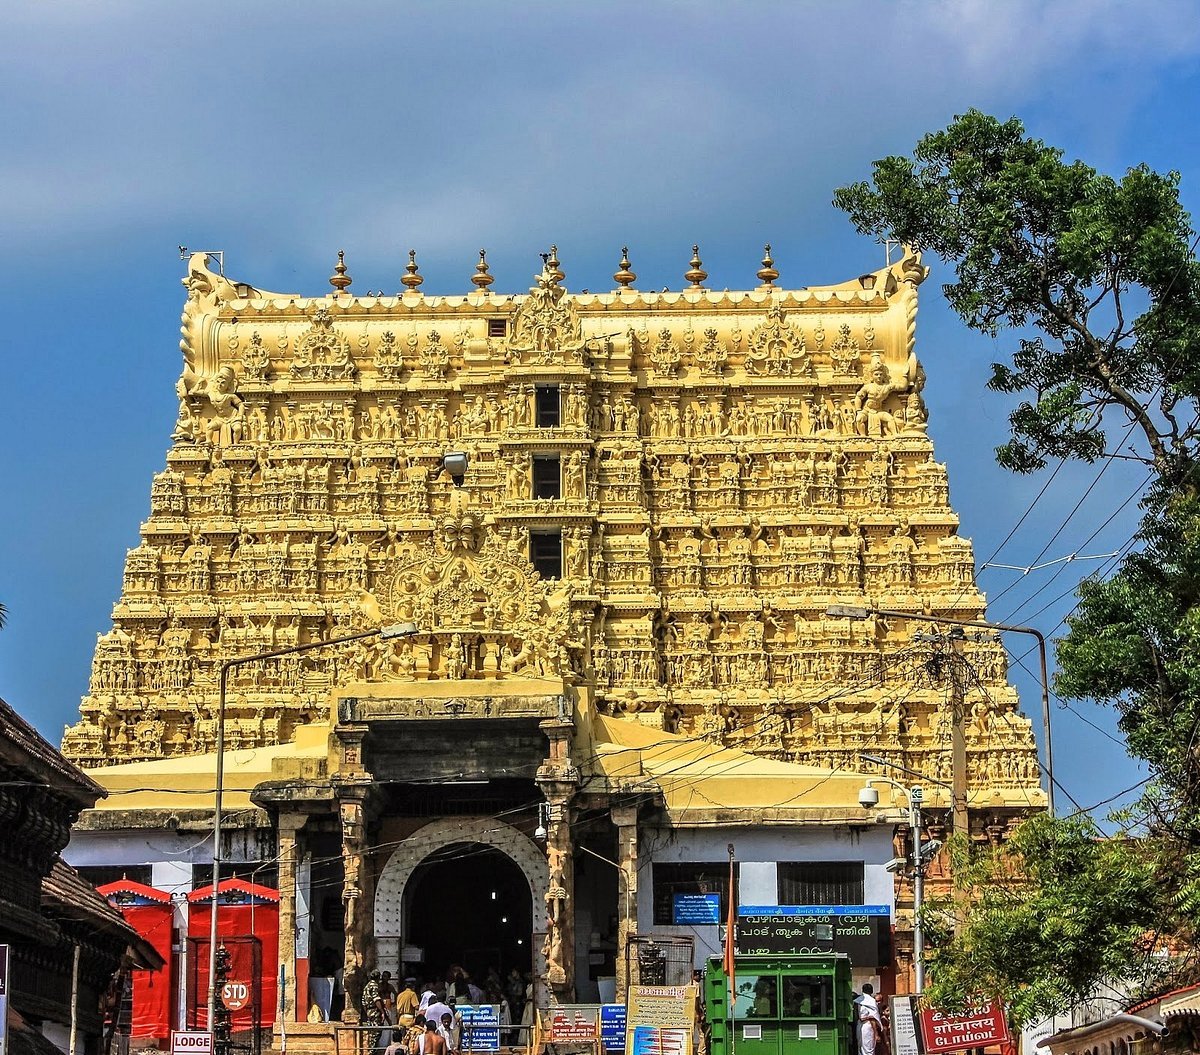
x=624, y=660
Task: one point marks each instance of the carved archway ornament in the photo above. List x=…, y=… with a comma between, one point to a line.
x=481, y=600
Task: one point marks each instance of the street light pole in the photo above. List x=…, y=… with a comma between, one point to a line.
x=916, y=797
x=387, y=633
x=848, y=611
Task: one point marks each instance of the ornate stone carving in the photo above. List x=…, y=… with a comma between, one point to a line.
x=776, y=348
x=322, y=353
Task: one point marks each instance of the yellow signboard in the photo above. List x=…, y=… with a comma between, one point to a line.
x=660, y=1019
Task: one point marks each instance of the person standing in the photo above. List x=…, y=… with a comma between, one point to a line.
x=372, y=1009
x=870, y=1026
x=428, y=1041
x=407, y=1001
x=451, y=1031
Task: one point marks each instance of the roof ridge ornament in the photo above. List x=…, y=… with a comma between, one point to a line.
x=767, y=273
x=552, y=265
x=340, y=280
x=696, y=273
x=482, y=278
x=624, y=277
x=412, y=278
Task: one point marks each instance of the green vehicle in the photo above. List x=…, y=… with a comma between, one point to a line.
x=785, y=1004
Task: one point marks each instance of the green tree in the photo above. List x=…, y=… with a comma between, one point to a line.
x=1045, y=919
x=1058, y=252
x=1097, y=282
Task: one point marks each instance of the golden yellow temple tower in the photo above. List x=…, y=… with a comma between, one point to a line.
x=663, y=496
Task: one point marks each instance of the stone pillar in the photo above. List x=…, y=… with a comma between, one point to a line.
x=559, y=779
x=626, y=820
x=356, y=904
x=289, y=829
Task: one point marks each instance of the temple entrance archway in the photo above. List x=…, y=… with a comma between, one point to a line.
x=471, y=905
x=435, y=892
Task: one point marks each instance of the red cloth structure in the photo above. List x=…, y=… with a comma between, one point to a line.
x=148, y=911
x=247, y=920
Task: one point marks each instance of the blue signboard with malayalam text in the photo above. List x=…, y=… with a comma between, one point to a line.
x=696, y=910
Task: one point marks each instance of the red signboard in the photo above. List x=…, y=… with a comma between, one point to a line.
x=981, y=1027
x=235, y=995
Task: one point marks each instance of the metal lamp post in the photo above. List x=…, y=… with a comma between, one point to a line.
x=849, y=611
x=396, y=630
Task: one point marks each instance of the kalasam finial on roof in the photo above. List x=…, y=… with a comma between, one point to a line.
x=624, y=277
x=339, y=280
x=695, y=274
x=412, y=278
x=767, y=273
x=482, y=278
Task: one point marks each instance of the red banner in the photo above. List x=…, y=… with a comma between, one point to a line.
x=984, y=1026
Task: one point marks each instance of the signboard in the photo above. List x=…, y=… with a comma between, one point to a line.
x=904, y=1027
x=612, y=1027
x=571, y=1024
x=660, y=1019
x=3, y=1000
x=190, y=1043
x=481, y=1026
x=696, y=910
x=984, y=1025
x=235, y=995
x=862, y=932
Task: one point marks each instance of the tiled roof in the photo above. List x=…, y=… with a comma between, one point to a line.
x=67, y=895
x=42, y=759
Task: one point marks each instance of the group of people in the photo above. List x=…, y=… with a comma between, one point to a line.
x=869, y=1030
x=423, y=1019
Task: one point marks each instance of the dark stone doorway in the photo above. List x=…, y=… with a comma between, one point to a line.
x=471, y=905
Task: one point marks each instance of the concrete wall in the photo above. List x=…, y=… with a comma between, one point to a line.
x=757, y=850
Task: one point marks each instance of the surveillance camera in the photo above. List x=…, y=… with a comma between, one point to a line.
x=539, y=832
x=868, y=797
x=930, y=849
x=896, y=864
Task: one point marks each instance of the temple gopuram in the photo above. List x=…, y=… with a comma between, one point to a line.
x=619, y=522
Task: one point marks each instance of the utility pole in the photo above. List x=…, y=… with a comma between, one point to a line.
x=956, y=662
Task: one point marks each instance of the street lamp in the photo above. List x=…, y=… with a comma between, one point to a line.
x=849, y=611
x=388, y=633
x=868, y=798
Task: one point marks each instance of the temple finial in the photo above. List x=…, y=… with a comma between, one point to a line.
x=767, y=273
x=552, y=265
x=339, y=280
x=412, y=278
x=695, y=274
x=482, y=278
x=624, y=277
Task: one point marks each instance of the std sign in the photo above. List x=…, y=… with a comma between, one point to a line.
x=235, y=995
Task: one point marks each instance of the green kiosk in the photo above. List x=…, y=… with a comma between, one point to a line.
x=783, y=1005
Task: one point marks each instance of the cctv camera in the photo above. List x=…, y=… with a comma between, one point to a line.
x=868, y=797
x=896, y=864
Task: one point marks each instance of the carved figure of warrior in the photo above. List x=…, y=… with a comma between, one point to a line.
x=225, y=425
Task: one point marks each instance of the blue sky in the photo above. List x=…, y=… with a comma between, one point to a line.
x=282, y=133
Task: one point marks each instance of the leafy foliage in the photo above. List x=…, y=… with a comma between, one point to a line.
x=1045, y=919
x=1134, y=642
x=1097, y=280
x=1062, y=251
